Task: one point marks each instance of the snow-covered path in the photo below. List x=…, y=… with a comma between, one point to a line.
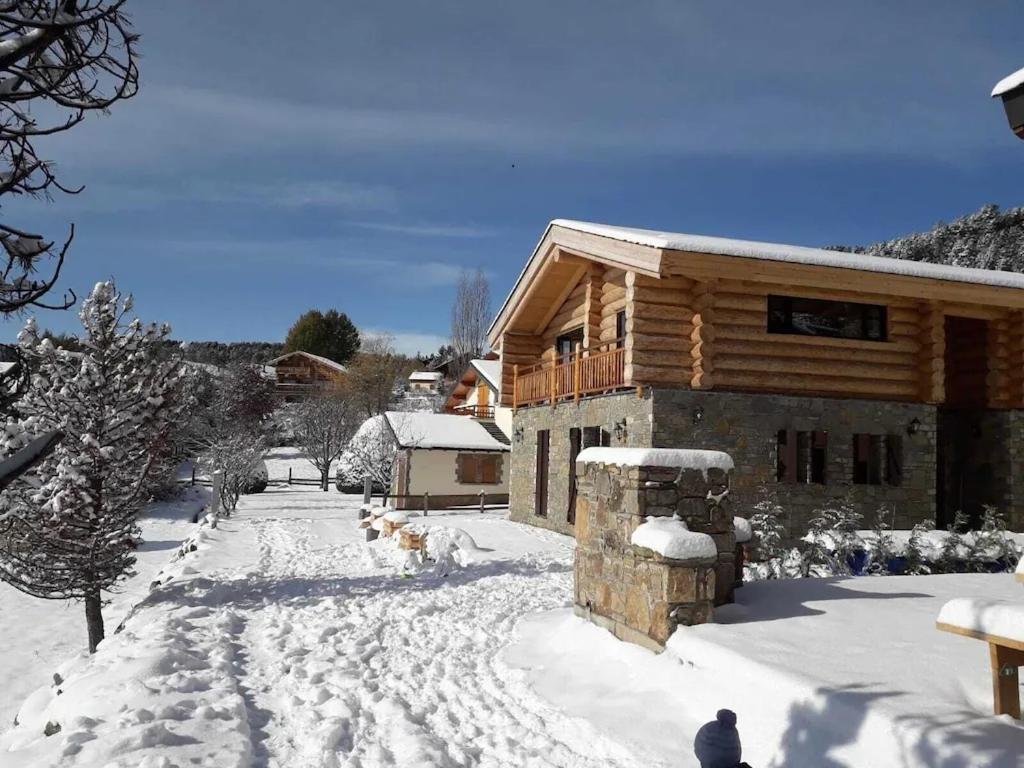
x=351, y=662
x=287, y=641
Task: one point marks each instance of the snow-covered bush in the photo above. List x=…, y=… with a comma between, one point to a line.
x=372, y=452
x=832, y=540
x=68, y=528
x=258, y=479
x=881, y=548
x=769, y=528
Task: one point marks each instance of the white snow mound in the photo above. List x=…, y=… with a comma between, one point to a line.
x=741, y=526
x=992, y=617
x=683, y=458
x=669, y=537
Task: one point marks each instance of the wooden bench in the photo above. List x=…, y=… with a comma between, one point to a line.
x=1006, y=656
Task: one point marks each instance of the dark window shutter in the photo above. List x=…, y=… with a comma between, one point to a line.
x=786, y=457
x=819, y=457
x=894, y=459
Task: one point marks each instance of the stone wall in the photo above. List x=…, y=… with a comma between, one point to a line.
x=603, y=412
x=636, y=593
x=746, y=426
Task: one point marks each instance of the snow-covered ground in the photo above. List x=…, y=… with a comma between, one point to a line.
x=286, y=640
x=37, y=635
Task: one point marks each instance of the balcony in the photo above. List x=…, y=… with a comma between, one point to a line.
x=585, y=372
x=476, y=411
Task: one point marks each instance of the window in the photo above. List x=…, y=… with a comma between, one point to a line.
x=801, y=457
x=565, y=344
x=877, y=458
x=478, y=469
x=620, y=328
x=818, y=317
x=540, y=497
x=596, y=437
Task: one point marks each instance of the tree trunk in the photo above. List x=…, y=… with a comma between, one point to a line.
x=94, y=619
x=325, y=479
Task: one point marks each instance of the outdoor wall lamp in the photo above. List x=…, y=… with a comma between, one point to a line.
x=698, y=415
x=914, y=426
x=517, y=434
x=620, y=430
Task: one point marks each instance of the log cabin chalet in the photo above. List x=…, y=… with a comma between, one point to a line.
x=897, y=384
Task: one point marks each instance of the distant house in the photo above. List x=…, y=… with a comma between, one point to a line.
x=425, y=381
x=894, y=383
x=478, y=394
x=299, y=374
x=451, y=458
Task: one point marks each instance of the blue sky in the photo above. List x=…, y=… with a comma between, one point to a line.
x=358, y=155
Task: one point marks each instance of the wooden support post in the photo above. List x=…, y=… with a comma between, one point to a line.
x=1005, y=679
x=553, y=381
x=218, y=486
x=426, y=504
x=577, y=369
x=193, y=474
x=289, y=475
x=482, y=497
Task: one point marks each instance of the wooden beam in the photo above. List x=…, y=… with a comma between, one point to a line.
x=932, y=357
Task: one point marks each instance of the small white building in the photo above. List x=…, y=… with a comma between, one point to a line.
x=451, y=458
x=425, y=381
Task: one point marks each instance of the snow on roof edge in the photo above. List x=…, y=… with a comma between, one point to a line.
x=1008, y=83
x=325, y=360
x=441, y=431
x=796, y=254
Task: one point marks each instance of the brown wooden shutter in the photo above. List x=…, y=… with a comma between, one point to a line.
x=488, y=470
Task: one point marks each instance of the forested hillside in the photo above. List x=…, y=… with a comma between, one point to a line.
x=988, y=238
x=225, y=353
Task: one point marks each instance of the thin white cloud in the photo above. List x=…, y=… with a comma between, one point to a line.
x=427, y=230
x=324, y=253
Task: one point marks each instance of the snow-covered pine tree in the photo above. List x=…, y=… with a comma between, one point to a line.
x=769, y=530
x=882, y=547
x=68, y=528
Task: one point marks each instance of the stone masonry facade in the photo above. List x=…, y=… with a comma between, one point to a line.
x=746, y=426
x=636, y=593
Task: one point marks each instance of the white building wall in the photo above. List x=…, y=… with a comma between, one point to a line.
x=433, y=471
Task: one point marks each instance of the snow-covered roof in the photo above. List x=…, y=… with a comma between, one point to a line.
x=795, y=254
x=429, y=376
x=441, y=430
x=323, y=360
x=490, y=370
x=1008, y=83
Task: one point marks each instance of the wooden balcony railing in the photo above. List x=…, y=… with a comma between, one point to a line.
x=570, y=377
x=477, y=411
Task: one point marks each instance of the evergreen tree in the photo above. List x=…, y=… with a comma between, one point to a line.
x=68, y=528
x=769, y=529
x=329, y=334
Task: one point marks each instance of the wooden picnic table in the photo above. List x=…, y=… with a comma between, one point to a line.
x=1006, y=656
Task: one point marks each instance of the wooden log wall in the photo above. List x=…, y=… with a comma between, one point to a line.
x=516, y=349
x=613, y=301
x=1015, y=360
x=747, y=357
x=931, y=356
x=659, y=325
x=594, y=283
